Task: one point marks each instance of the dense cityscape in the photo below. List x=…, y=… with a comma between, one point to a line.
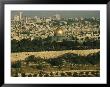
x=23, y=27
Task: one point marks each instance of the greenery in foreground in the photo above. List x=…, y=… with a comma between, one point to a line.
x=40, y=44
x=66, y=62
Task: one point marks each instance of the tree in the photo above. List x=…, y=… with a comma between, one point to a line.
x=17, y=64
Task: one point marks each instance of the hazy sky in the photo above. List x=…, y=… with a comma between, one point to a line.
x=72, y=14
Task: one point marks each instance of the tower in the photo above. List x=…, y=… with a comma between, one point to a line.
x=20, y=15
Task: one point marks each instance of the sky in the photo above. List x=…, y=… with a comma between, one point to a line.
x=72, y=14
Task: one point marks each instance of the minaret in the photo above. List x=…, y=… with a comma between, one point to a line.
x=20, y=15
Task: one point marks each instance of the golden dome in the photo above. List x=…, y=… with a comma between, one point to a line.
x=59, y=32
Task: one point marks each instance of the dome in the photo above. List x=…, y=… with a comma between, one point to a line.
x=59, y=32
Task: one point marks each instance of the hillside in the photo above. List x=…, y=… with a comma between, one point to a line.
x=50, y=54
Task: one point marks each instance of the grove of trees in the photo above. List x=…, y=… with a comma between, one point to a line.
x=25, y=45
